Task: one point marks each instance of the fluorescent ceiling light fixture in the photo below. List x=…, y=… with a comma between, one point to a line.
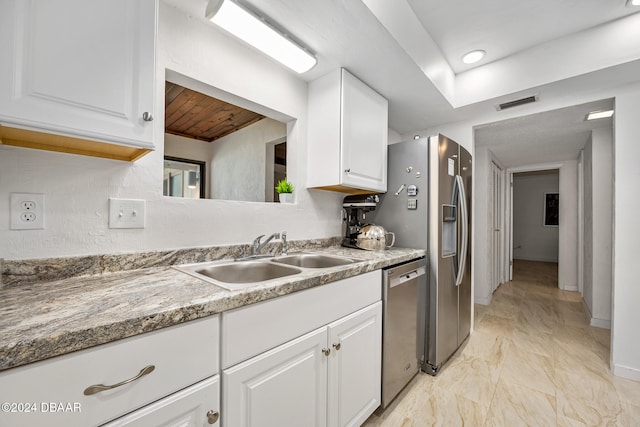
x=249, y=28
x=473, y=56
x=632, y=3
x=595, y=115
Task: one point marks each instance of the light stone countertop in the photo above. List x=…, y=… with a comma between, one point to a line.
x=43, y=320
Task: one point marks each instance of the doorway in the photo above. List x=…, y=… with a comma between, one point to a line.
x=534, y=229
x=275, y=167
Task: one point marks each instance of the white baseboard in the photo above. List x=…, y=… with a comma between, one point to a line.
x=626, y=372
x=600, y=323
x=573, y=288
x=594, y=321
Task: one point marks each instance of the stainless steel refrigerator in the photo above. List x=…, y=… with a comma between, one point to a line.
x=428, y=205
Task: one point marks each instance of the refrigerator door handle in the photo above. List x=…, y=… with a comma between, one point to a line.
x=462, y=256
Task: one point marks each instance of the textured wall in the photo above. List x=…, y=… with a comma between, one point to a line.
x=238, y=161
x=77, y=188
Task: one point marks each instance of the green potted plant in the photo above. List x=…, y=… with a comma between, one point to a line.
x=285, y=191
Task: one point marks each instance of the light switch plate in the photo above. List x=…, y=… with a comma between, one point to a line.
x=126, y=213
x=27, y=211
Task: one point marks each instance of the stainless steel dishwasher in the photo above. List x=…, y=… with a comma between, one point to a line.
x=400, y=325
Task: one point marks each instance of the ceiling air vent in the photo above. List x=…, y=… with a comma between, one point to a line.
x=517, y=102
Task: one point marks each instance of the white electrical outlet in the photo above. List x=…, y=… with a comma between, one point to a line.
x=126, y=213
x=27, y=211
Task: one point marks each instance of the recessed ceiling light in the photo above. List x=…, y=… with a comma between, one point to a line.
x=632, y=3
x=473, y=56
x=595, y=115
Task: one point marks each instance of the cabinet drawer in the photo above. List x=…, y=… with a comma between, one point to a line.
x=182, y=355
x=251, y=330
x=194, y=406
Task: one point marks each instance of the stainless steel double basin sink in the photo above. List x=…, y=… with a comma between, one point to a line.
x=233, y=275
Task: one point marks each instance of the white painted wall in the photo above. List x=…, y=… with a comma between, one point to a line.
x=598, y=227
x=568, y=235
x=482, y=226
x=602, y=187
x=77, y=188
x=625, y=349
x=238, y=161
x=531, y=239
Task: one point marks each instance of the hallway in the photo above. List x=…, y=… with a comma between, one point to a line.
x=533, y=360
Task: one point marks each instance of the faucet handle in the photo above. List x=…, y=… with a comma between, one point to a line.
x=256, y=241
x=255, y=247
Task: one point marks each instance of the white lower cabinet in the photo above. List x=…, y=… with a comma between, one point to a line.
x=328, y=377
x=100, y=384
x=195, y=406
x=355, y=367
x=284, y=386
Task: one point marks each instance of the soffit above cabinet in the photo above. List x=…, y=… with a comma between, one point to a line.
x=198, y=116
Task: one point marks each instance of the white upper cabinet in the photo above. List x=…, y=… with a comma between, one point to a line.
x=80, y=69
x=348, y=131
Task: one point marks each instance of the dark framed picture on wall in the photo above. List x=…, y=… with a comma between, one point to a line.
x=551, y=209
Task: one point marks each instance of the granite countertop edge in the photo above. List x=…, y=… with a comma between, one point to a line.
x=45, y=320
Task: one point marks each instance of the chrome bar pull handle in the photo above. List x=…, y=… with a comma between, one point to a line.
x=101, y=387
x=464, y=218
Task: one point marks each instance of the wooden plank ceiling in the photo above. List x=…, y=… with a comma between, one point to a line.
x=195, y=115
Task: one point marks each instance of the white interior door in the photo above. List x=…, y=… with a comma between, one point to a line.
x=498, y=211
x=510, y=195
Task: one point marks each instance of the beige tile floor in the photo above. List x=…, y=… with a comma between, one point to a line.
x=533, y=360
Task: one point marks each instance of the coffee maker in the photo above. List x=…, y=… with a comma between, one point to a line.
x=355, y=209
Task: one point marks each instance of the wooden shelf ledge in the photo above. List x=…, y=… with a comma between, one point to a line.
x=67, y=144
